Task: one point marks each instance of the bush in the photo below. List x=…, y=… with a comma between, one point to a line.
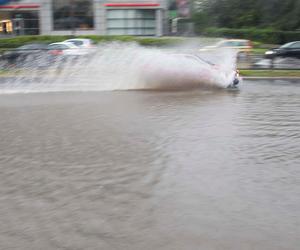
x=149, y=41
x=21, y=40
x=261, y=35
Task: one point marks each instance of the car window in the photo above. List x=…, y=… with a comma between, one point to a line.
x=287, y=45
x=76, y=42
x=226, y=44
x=58, y=46
x=242, y=43
x=233, y=44
x=296, y=45
x=70, y=45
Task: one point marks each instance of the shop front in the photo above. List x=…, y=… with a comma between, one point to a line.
x=98, y=17
x=83, y=17
x=18, y=18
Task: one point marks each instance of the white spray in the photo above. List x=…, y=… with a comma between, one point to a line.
x=123, y=66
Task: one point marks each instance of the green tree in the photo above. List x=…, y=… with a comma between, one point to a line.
x=276, y=14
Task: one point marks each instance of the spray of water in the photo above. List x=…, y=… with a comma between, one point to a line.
x=122, y=66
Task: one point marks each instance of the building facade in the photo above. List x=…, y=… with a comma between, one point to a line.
x=85, y=17
x=20, y=17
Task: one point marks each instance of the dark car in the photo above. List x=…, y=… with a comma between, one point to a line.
x=291, y=49
x=26, y=53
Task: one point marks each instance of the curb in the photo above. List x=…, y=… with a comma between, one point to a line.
x=270, y=78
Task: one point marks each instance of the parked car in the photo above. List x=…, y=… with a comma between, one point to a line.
x=291, y=49
x=25, y=53
x=242, y=46
x=82, y=42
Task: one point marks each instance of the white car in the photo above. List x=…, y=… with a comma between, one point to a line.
x=82, y=42
x=241, y=46
x=65, y=49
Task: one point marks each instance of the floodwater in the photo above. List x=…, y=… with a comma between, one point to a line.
x=205, y=169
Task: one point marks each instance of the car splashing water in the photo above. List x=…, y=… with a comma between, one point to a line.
x=120, y=66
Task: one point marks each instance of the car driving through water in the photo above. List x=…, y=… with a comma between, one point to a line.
x=82, y=42
x=214, y=71
x=187, y=71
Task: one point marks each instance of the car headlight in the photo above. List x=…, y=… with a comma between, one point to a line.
x=270, y=52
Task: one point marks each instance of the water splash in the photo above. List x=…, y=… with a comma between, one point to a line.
x=121, y=66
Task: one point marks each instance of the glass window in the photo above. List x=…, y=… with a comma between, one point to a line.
x=131, y=13
x=131, y=22
x=73, y=14
x=296, y=45
x=76, y=42
x=287, y=45
x=58, y=46
x=116, y=32
x=116, y=14
x=116, y=23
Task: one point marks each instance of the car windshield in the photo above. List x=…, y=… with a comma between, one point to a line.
x=70, y=45
x=75, y=42
x=287, y=45
x=57, y=46
x=233, y=44
x=296, y=45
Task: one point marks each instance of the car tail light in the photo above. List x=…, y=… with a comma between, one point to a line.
x=56, y=52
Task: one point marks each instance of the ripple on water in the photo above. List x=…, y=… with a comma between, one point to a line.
x=151, y=170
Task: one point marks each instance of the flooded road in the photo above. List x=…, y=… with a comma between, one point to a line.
x=209, y=170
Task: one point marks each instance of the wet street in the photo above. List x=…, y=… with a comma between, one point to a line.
x=171, y=170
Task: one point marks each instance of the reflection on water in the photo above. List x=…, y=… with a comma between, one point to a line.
x=151, y=170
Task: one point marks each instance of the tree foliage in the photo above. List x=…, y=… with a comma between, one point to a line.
x=276, y=14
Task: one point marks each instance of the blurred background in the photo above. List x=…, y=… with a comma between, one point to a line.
x=254, y=28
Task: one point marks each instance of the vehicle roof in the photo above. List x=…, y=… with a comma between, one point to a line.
x=234, y=43
x=236, y=40
x=64, y=43
x=286, y=45
x=78, y=39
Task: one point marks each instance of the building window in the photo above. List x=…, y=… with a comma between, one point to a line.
x=131, y=22
x=19, y=22
x=73, y=14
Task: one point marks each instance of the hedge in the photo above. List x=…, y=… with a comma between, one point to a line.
x=261, y=35
x=149, y=41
